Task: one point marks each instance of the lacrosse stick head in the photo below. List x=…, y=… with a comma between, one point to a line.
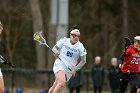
x=39, y=38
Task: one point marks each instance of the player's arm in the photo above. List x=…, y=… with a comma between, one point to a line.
x=55, y=49
x=58, y=46
x=81, y=63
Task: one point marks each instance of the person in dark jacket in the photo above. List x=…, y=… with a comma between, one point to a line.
x=76, y=82
x=114, y=73
x=97, y=75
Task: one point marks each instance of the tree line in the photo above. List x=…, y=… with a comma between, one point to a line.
x=103, y=25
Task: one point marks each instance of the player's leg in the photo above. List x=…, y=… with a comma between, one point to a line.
x=134, y=84
x=138, y=90
x=61, y=81
x=78, y=89
x=100, y=89
x=1, y=84
x=95, y=89
x=71, y=90
x=52, y=88
x=123, y=85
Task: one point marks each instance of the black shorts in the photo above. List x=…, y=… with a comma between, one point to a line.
x=128, y=75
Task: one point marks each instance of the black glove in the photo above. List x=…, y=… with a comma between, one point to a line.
x=6, y=62
x=10, y=64
x=2, y=59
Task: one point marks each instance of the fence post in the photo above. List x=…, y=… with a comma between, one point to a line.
x=12, y=81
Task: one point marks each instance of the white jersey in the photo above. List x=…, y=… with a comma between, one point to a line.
x=0, y=72
x=69, y=55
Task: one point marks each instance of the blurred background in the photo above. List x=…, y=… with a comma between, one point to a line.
x=103, y=25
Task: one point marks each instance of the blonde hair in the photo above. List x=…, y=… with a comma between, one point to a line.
x=114, y=59
x=97, y=58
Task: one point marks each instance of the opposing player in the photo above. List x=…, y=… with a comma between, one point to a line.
x=3, y=61
x=1, y=77
x=69, y=50
x=130, y=67
x=138, y=90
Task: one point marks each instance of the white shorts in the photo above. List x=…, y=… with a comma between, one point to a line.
x=58, y=65
x=0, y=73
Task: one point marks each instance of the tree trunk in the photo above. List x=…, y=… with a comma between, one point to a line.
x=125, y=17
x=38, y=26
x=51, y=42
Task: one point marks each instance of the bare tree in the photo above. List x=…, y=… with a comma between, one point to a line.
x=125, y=17
x=38, y=26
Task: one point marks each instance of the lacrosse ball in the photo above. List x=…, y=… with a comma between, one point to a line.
x=37, y=37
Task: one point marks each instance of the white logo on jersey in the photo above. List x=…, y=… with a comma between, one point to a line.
x=69, y=48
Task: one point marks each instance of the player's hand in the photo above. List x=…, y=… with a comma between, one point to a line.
x=57, y=54
x=73, y=72
x=120, y=65
x=8, y=63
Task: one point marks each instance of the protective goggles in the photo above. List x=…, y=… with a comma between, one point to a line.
x=137, y=41
x=74, y=35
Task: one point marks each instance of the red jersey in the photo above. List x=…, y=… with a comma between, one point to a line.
x=131, y=60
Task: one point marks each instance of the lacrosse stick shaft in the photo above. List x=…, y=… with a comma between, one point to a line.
x=6, y=62
x=38, y=37
x=49, y=48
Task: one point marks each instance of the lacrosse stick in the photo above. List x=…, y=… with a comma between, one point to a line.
x=39, y=38
x=127, y=44
x=3, y=61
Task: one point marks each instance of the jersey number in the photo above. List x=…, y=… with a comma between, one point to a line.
x=69, y=54
x=135, y=60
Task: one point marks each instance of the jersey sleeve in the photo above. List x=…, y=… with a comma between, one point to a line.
x=82, y=50
x=61, y=42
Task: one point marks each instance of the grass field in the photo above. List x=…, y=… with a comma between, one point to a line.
x=36, y=90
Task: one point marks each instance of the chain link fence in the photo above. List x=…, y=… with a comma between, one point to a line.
x=31, y=80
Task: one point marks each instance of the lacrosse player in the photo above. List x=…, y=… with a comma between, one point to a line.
x=130, y=67
x=69, y=50
x=1, y=77
x=138, y=90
